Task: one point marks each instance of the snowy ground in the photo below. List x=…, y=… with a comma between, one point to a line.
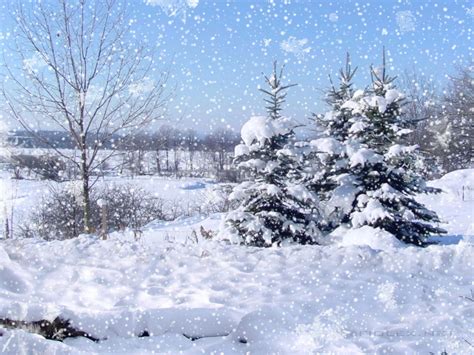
x=362, y=293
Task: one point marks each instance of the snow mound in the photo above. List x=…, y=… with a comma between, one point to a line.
x=290, y=300
x=460, y=175
x=374, y=238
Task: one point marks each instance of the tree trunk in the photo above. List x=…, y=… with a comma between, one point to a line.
x=158, y=164
x=86, y=202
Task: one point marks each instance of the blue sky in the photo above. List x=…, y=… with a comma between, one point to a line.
x=217, y=50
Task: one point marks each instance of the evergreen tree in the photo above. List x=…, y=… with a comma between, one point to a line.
x=327, y=156
x=336, y=122
x=382, y=174
x=274, y=207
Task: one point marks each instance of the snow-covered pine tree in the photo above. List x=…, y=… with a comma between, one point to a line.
x=382, y=167
x=336, y=122
x=327, y=155
x=274, y=207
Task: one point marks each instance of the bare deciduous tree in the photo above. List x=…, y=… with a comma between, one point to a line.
x=459, y=113
x=424, y=108
x=77, y=67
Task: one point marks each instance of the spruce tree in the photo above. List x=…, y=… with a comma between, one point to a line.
x=382, y=166
x=274, y=207
x=328, y=156
x=336, y=122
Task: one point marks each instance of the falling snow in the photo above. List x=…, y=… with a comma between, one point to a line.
x=236, y=177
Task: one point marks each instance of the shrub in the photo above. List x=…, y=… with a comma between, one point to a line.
x=47, y=167
x=59, y=216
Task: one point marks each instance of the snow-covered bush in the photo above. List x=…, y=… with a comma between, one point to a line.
x=219, y=200
x=130, y=207
x=59, y=215
x=273, y=206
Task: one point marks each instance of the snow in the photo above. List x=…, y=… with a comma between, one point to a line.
x=241, y=149
x=392, y=95
x=374, y=238
x=194, y=185
x=268, y=297
x=455, y=204
x=371, y=213
x=330, y=146
x=398, y=149
x=258, y=129
x=358, y=126
x=364, y=156
x=361, y=292
x=379, y=102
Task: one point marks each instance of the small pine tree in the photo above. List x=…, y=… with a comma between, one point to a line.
x=336, y=122
x=327, y=155
x=273, y=207
x=382, y=166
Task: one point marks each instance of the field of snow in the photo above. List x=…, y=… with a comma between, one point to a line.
x=363, y=292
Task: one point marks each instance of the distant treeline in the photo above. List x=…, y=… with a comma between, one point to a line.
x=165, y=138
x=167, y=151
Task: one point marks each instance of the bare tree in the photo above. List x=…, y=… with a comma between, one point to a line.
x=77, y=67
x=459, y=113
x=424, y=108
x=221, y=143
x=163, y=142
x=191, y=144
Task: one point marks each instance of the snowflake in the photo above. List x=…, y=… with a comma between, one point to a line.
x=296, y=46
x=34, y=63
x=333, y=17
x=174, y=7
x=142, y=87
x=470, y=11
x=406, y=21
